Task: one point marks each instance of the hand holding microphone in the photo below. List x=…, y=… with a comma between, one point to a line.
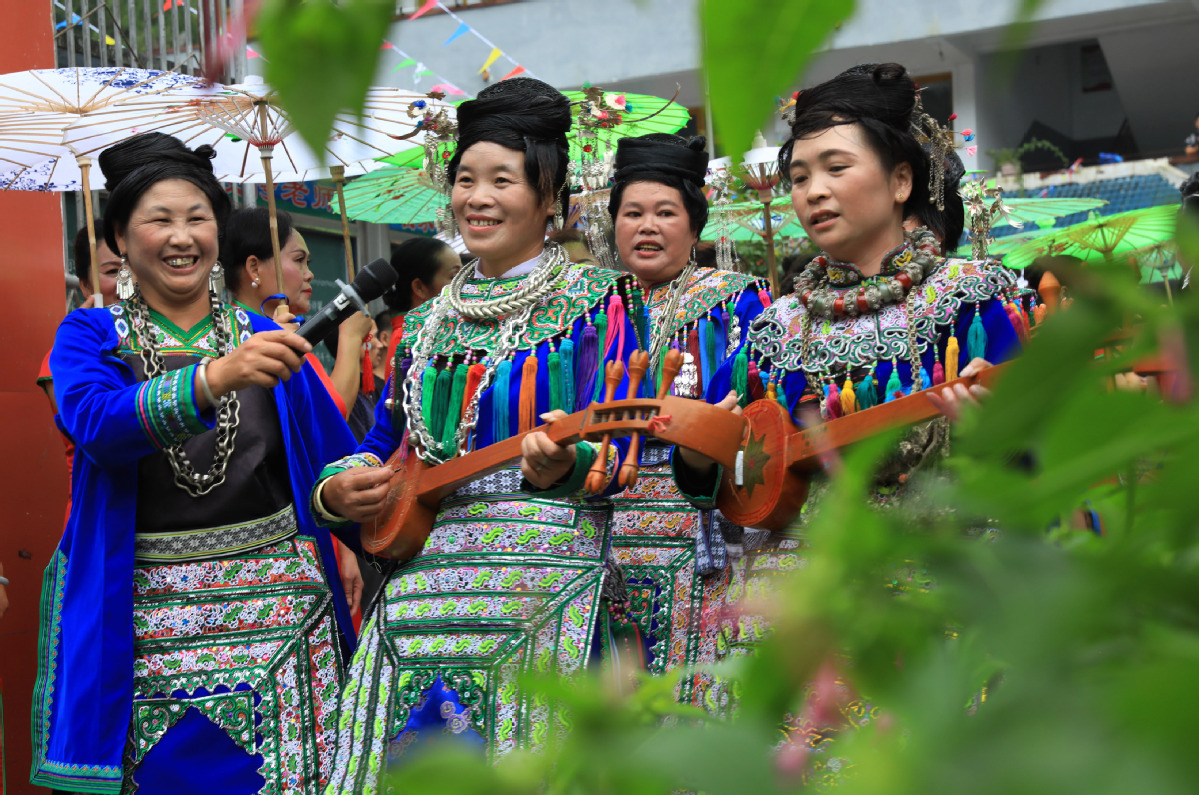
x=269, y=357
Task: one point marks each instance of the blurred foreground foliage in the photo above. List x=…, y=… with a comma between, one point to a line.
x=1079, y=652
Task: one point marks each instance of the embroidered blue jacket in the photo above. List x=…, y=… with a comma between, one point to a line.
x=84, y=693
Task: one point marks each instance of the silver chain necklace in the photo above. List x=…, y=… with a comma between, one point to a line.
x=186, y=476
x=516, y=309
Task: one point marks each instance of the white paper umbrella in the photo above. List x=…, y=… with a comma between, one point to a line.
x=37, y=106
x=255, y=139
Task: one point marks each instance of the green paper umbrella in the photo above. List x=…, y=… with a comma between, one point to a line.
x=1008, y=244
x=1038, y=210
x=406, y=196
x=391, y=196
x=1101, y=237
x=746, y=222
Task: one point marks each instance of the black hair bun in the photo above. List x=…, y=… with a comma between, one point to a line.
x=523, y=104
x=120, y=160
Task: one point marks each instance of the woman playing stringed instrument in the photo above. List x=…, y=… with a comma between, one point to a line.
x=509, y=580
x=674, y=555
x=878, y=310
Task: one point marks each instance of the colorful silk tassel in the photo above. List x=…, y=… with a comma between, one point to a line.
x=555, y=363
x=597, y=382
x=952, y=356
x=567, y=355
x=757, y=390
x=368, y=373
x=938, y=374
x=976, y=342
x=474, y=377
x=764, y=296
x=741, y=378
x=1013, y=317
x=428, y=386
x=708, y=363
x=721, y=319
x=867, y=392
x=449, y=443
x=500, y=401
x=527, y=408
x=925, y=381
x=894, y=385
x=616, y=326
x=441, y=400
x=833, y=402
x=849, y=399
x=587, y=367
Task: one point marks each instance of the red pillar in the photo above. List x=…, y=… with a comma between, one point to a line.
x=32, y=469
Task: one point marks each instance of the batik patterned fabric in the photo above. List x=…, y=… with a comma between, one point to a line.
x=506, y=584
x=246, y=641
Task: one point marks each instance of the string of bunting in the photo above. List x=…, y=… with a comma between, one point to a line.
x=462, y=29
x=443, y=85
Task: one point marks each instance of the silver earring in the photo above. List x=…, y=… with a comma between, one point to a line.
x=559, y=217
x=216, y=278
x=253, y=283
x=124, y=280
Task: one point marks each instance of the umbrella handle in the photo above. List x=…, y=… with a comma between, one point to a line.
x=85, y=166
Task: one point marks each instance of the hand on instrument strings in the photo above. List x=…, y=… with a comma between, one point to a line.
x=285, y=318
x=544, y=463
x=351, y=576
x=357, y=494
x=701, y=464
x=264, y=359
x=951, y=400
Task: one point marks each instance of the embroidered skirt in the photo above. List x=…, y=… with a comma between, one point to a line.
x=505, y=584
x=685, y=587
x=236, y=666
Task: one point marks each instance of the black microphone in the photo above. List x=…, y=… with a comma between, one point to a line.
x=371, y=282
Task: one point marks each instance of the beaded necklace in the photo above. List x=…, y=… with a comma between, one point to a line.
x=830, y=289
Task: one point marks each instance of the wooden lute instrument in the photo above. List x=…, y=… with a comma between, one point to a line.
x=767, y=462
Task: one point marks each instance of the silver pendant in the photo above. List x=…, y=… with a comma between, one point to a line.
x=686, y=383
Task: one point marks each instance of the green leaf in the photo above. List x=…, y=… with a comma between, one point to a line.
x=321, y=57
x=757, y=49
